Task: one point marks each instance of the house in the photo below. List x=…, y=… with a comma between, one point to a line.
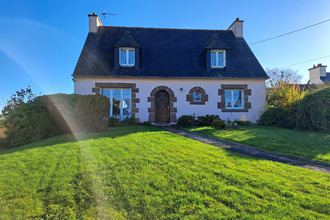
x=159, y=74
x=318, y=75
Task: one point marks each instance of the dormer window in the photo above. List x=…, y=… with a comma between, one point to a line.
x=127, y=56
x=218, y=58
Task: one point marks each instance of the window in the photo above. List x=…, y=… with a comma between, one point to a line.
x=197, y=97
x=126, y=56
x=120, y=102
x=234, y=99
x=218, y=58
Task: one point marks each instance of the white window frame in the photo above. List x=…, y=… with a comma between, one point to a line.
x=126, y=49
x=217, y=57
x=232, y=98
x=121, y=116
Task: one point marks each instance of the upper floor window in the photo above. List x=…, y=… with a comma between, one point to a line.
x=127, y=56
x=218, y=58
x=234, y=99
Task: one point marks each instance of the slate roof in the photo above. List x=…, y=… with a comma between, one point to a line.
x=325, y=78
x=169, y=53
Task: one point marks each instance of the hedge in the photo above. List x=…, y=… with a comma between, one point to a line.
x=51, y=115
x=313, y=111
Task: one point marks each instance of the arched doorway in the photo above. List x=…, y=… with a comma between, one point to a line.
x=162, y=107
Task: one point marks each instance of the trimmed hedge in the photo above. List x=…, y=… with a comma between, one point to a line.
x=273, y=116
x=50, y=115
x=313, y=111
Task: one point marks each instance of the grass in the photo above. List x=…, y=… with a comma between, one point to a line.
x=311, y=145
x=147, y=173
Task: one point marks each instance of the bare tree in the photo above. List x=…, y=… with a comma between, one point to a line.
x=278, y=76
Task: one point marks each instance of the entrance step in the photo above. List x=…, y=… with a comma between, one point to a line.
x=162, y=124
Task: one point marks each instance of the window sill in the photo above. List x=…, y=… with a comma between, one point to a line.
x=121, y=65
x=234, y=110
x=218, y=67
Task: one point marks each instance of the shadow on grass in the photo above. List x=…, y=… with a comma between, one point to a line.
x=113, y=132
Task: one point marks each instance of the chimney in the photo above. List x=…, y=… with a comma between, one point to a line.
x=316, y=72
x=237, y=27
x=94, y=23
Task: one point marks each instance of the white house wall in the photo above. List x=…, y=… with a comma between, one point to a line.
x=84, y=85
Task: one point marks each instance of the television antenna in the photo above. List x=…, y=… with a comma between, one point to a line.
x=104, y=13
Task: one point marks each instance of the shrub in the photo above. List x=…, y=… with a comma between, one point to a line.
x=92, y=113
x=242, y=122
x=206, y=120
x=114, y=122
x=313, y=111
x=28, y=118
x=186, y=121
x=77, y=113
x=232, y=126
x=61, y=108
x=25, y=119
x=146, y=123
x=272, y=116
x=218, y=124
x=128, y=122
x=287, y=123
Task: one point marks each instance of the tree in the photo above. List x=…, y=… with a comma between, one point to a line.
x=284, y=88
x=287, y=76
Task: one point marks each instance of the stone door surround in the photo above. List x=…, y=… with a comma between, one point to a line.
x=151, y=99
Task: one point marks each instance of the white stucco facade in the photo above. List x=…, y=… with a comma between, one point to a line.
x=84, y=85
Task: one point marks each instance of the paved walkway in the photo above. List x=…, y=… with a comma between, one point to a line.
x=251, y=151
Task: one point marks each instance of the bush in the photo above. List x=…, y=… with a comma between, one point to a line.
x=92, y=113
x=218, y=124
x=61, y=108
x=146, y=123
x=272, y=116
x=128, y=122
x=287, y=123
x=28, y=118
x=243, y=122
x=313, y=111
x=186, y=121
x=114, y=122
x=25, y=119
x=206, y=120
x=232, y=126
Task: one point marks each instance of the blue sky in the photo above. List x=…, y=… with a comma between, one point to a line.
x=40, y=41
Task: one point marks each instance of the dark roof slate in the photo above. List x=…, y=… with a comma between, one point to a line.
x=326, y=78
x=170, y=53
x=216, y=43
x=126, y=41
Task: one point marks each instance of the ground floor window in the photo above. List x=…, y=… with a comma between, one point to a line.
x=234, y=99
x=120, y=101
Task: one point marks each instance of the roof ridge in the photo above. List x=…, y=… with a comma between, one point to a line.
x=164, y=28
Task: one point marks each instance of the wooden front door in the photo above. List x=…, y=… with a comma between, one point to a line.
x=162, y=107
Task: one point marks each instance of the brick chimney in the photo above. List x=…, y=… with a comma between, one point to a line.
x=94, y=23
x=316, y=72
x=237, y=27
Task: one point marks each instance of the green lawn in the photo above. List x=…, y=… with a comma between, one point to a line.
x=147, y=173
x=311, y=145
